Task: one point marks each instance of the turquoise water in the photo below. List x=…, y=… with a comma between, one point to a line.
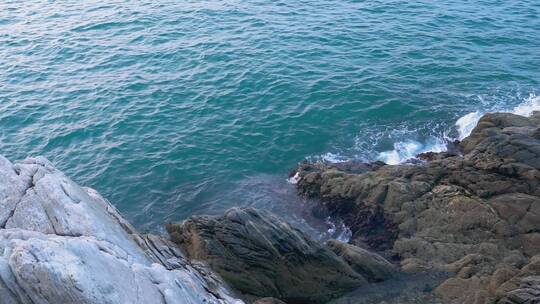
x=171, y=108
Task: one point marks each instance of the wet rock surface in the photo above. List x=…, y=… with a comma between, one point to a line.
x=371, y=265
x=61, y=243
x=260, y=255
x=473, y=213
x=268, y=301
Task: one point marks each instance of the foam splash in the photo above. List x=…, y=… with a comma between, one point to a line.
x=338, y=231
x=404, y=150
x=334, y=158
x=294, y=179
x=466, y=123
x=409, y=149
x=527, y=108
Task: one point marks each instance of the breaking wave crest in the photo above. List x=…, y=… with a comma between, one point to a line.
x=409, y=149
x=405, y=148
x=466, y=123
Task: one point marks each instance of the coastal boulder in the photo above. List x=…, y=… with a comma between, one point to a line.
x=260, y=255
x=61, y=243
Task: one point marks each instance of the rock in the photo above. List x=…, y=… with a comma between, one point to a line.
x=474, y=213
x=460, y=290
x=523, y=286
x=60, y=243
x=268, y=301
x=371, y=265
x=260, y=255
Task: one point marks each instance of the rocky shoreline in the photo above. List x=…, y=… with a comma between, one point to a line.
x=461, y=226
x=62, y=243
x=260, y=256
x=473, y=213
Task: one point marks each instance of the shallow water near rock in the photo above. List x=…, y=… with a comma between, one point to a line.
x=171, y=108
x=405, y=288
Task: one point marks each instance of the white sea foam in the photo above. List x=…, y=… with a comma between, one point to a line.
x=530, y=105
x=294, y=179
x=339, y=232
x=466, y=123
x=345, y=235
x=405, y=150
x=334, y=158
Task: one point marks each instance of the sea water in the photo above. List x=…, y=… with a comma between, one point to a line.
x=173, y=108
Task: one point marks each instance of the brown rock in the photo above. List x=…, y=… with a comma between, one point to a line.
x=372, y=266
x=269, y=301
x=260, y=255
x=476, y=215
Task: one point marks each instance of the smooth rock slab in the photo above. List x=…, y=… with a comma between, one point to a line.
x=61, y=243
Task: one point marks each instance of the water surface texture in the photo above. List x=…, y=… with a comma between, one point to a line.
x=171, y=108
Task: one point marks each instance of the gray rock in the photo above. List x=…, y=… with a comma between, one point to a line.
x=60, y=243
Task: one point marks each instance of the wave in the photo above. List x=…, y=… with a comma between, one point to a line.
x=466, y=123
x=407, y=149
x=333, y=158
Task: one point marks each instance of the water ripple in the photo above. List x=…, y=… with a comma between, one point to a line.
x=171, y=107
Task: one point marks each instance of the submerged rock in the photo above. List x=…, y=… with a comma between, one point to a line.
x=260, y=255
x=60, y=243
x=475, y=215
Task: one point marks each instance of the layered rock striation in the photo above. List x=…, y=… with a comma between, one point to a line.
x=262, y=256
x=61, y=243
x=474, y=212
